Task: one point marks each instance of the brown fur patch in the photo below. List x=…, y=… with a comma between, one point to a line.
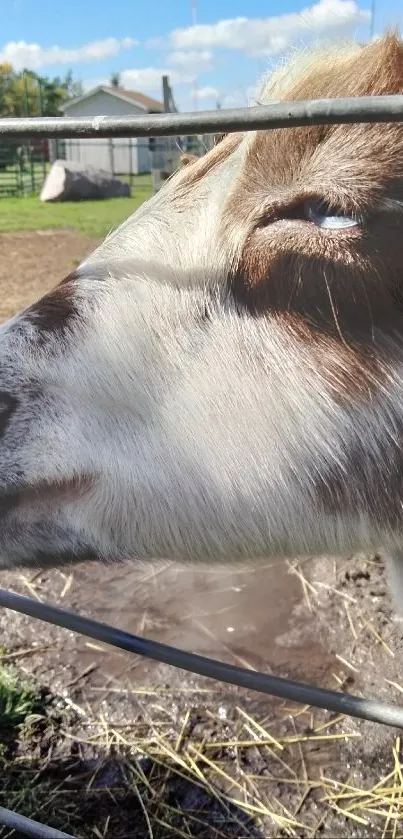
x=187, y=159
x=53, y=313
x=46, y=494
x=342, y=287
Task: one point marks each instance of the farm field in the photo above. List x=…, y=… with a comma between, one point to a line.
x=103, y=744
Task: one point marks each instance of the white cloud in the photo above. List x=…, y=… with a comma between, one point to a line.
x=33, y=57
x=271, y=35
x=206, y=93
x=234, y=100
x=196, y=61
x=149, y=79
x=181, y=67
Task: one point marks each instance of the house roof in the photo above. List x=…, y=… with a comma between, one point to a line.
x=133, y=97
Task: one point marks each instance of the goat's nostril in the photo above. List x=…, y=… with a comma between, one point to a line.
x=8, y=404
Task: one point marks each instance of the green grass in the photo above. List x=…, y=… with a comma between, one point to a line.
x=17, y=699
x=92, y=218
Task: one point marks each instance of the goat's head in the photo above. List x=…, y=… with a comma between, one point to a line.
x=222, y=378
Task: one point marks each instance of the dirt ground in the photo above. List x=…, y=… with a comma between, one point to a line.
x=148, y=751
x=32, y=263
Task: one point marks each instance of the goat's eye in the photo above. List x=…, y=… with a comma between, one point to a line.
x=328, y=217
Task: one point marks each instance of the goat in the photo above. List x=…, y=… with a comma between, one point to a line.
x=222, y=378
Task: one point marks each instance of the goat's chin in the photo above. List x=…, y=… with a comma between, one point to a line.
x=30, y=550
x=31, y=537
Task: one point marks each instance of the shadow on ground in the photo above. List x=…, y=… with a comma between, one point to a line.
x=116, y=795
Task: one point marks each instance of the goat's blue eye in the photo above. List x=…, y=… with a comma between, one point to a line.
x=330, y=218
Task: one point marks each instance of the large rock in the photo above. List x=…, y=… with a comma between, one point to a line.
x=71, y=181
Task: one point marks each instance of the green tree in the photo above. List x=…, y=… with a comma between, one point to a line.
x=28, y=94
x=6, y=103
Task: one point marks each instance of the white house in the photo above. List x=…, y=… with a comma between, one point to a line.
x=121, y=156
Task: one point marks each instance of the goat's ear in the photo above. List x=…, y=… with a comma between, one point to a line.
x=187, y=159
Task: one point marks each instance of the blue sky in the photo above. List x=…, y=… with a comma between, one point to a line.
x=219, y=56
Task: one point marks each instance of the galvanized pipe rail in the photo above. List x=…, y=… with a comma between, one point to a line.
x=362, y=109
x=329, y=700
x=30, y=827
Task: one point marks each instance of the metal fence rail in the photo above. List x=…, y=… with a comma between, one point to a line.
x=328, y=700
x=30, y=827
x=284, y=115
x=279, y=115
